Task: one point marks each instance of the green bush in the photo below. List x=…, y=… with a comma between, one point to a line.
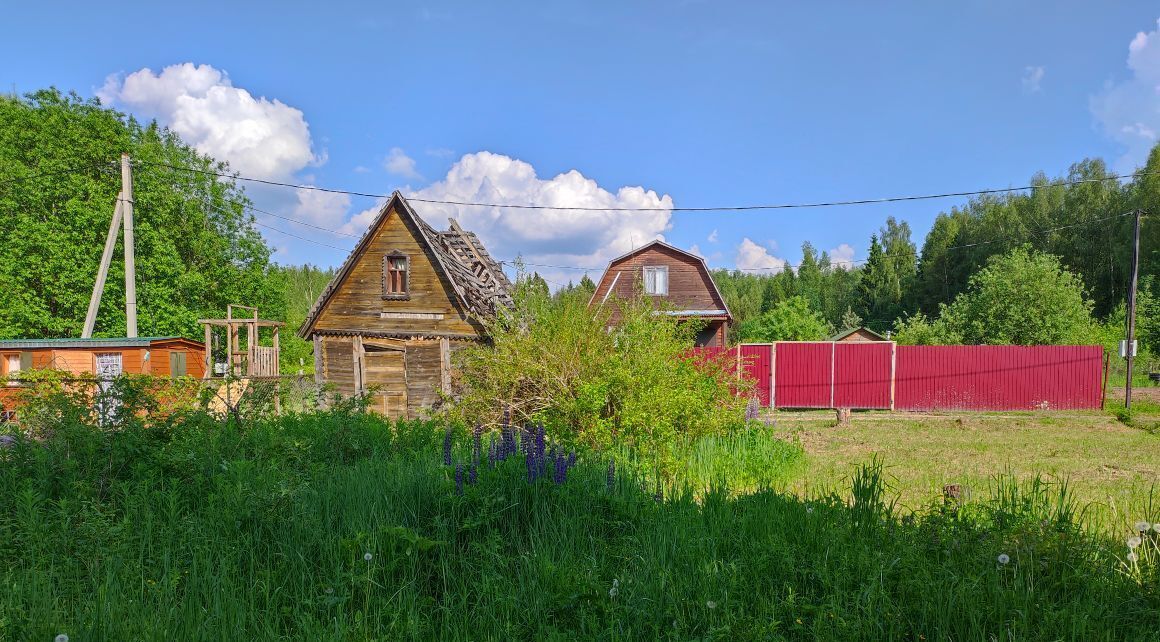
x=789, y=320
x=634, y=384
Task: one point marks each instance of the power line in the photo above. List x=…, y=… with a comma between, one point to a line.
x=722, y=208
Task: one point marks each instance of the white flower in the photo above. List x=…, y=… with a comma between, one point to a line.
x=329, y=590
x=1133, y=558
x=1142, y=527
x=1133, y=542
x=613, y=592
x=1004, y=558
x=711, y=604
x=61, y=638
x=368, y=557
x=1156, y=527
x=809, y=509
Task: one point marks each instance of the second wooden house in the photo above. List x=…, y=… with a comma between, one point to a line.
x=402, y=303
x=676, y=281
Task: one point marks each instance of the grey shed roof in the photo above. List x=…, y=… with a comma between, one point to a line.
x=117, y=342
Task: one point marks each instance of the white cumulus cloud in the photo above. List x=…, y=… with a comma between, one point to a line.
x=754, y=257
x=259, y=137
x=842, y=255
x=1033, y=78
x=1129, y=110
x=324, y=209
x=398, y=163
x=584, y=238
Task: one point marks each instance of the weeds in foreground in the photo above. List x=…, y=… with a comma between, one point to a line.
x=341, y=526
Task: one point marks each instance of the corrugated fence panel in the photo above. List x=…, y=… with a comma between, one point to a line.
x=758, y=361
x=862, y=374
x=998, y=377
x=803, y=375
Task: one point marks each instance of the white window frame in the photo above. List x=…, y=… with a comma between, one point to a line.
x=12, y=367
x=651, y=287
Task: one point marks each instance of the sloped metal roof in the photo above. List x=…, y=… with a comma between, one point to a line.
x=115, y=342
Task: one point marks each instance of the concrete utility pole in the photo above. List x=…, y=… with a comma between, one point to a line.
x=130, y=258
x=1132, y=311
x=122, y=213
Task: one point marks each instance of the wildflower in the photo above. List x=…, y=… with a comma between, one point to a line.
x=491, y=454
x=61, y=638
x=1133, y=558
x=798, y=620
x=615, y=590
x=530, y=462
x=809, y=509
x=476, y=444
x=472, y=475
x=368, y=557
x=459, y=479
x=711, y=604
x=1156, y=527
x=752, y=409
x=572, y=462
x=329, y=591
x=447, y=447
x=1004, y=558
x=1134, y=542
x=1142, y=527
x=611, y=474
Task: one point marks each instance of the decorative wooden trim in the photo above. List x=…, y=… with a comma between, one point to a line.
x=432, y=316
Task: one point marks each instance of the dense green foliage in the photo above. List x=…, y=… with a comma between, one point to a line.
x=553, y=360
x=790, y=320
x=196, y=247
x=1021, y=298
x=339, y=526
x=303, y=285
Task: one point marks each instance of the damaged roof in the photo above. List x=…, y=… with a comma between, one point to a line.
x=477, y=279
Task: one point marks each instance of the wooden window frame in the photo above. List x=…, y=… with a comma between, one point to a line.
x=644, y=276
x=406, y=293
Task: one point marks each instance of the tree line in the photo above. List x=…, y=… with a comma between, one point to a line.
x=1049, y=265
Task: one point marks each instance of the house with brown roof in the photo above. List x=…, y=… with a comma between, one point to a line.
x=676, y=281
x=402, y=303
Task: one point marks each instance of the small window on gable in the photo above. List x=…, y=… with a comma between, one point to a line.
x=656, y=280
x=396, y=276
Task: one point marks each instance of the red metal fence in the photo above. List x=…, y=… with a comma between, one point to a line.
x=883, y=375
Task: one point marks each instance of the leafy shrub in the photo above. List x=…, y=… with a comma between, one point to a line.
x=789, y=320
x=593, y=383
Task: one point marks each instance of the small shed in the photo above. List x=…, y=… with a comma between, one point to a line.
x=857, y=335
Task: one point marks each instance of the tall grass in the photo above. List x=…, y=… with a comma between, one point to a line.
x=339, y=526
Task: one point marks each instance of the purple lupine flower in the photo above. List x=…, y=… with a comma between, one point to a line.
x=752, y=409
x=458, y=479
x=472, y=475
x=492, y=453
x=526, y=440
x=540, y=442
x=572, y=459
x=561, y=475
x=530, y=460
x=660, y=495
x=476, y=444
x=611, y=474
x=447, y=447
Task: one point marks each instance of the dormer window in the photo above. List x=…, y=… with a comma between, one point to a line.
x=396, y=276
x=656, y=280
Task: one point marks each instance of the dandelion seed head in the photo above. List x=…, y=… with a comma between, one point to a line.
x=368, y=557
x=1133, y=558
x=1004, y=558
x=809, y=509
x=61, y=638
x=1134, y=542
x=1156, y=527
x=613, y=592
x=1142, y=527
x=711, y=604
x=329, y=590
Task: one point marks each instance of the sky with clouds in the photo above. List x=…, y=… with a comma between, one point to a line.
x=616, y=105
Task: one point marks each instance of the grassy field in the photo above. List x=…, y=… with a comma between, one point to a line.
x=1105, y=463
x=340, y=526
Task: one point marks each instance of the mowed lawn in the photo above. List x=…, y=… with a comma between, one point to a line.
x=1112, y=467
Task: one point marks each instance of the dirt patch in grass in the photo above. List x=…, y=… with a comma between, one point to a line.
x=1105, y=463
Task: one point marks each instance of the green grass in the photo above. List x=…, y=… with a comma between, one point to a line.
x=202, y=531
x=1111, y=468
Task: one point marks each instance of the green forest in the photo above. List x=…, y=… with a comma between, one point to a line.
x=1047, y=265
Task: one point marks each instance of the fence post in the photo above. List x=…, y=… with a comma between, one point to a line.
x=893, y=371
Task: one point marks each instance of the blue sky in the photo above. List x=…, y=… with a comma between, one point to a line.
x=698, y=103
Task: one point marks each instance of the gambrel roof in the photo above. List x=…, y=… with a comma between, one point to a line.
x=714, y=291
x=478, y=281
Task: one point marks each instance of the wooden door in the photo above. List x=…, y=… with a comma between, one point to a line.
x=384, y=378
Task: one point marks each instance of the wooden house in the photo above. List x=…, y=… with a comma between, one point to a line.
x=158, y=356
x=857, y=335
x=402, y=303
x=678, y=282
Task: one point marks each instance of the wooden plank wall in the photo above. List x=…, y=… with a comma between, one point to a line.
x=358, y=304
x=690, y=286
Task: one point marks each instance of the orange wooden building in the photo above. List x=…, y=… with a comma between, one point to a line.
x=674, y=279
x=159, y=356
